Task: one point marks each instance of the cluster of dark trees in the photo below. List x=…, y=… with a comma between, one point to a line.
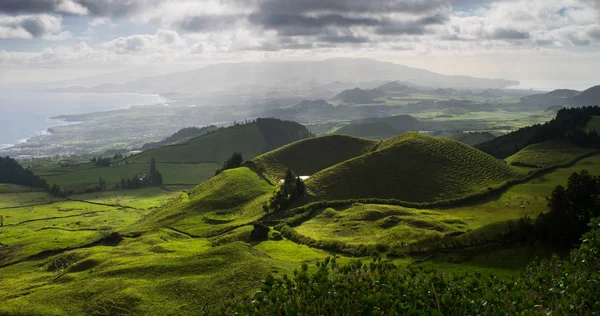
x=101, y=161
x=571, y=209
x=153, y=179
x=12, y=172
x=292, y=188
x=568, y=124
x=235, y=161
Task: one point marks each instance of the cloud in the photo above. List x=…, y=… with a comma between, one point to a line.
x=206, y=23
x=352, y=6
x=107, y=8
x=509, y=34
x=31, y=26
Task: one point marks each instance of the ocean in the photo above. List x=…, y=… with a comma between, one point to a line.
x=25, y=114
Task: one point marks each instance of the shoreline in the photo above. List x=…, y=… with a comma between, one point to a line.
x=57, y=121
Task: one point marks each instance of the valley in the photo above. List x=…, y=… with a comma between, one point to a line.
x=193, y=242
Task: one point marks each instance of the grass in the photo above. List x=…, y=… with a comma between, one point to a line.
x=234, y=197
x=413, y=168
x=13, y=188
x=549, y=154
x=593, y=124
x=533, y=194
x=8, y=200
x=194, y=248
x=379, y=224
x=189, y=174
x=308, y=156
x=216, y=147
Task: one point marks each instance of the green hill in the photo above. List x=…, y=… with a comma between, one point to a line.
x=359, y=96
x=414, y=168
x=181, y=136
x=308, y=156
x=234, y=197
x=381, y=128
x=250, y=139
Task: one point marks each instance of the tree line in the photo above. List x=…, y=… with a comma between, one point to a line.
x=568, y=124
x=13, y=172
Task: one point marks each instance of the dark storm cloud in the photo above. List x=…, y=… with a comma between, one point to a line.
x=416, y=27
x=509, y=34
x=352, y=6
x=316, y=17
x=595, y=33
x=207, y=23
x=27, y=6
x=303, y=25
x=100, y=8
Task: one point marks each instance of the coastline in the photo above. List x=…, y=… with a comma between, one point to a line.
x=52, y=121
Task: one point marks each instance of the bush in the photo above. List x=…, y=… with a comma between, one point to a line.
x=329, y=212
x=550, y=287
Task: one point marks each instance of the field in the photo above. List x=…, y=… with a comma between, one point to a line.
x=548, y=154
x=88, y=176
x=379, y=224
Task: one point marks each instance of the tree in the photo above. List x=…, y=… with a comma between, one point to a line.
x=156, y=178
x=292, y=188
x=235, y=161
x=571, y=209
x=101, y=184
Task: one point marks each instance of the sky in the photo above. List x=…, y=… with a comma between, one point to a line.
x=528, y=40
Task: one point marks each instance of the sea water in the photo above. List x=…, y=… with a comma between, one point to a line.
x=25, y=114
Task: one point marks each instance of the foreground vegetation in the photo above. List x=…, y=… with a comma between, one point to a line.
x=379, y=288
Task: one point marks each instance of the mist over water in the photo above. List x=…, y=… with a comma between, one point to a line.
x=550, y=85
x=25, y=114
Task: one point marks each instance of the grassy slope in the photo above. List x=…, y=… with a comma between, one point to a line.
x=370, y=130
x=384, y=224
x=216, y=147
x=308, y=156
x=415, y=168
x=163, y=271
x=29, y=230
x=232, y=198
x=593, y=124
x=548, y=154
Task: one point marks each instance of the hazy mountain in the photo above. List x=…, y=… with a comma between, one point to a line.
x=222, y=77
x=359, y=96
x=587, y=97
x=550, y=99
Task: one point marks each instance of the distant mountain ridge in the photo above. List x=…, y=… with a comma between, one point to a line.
x=561, y=97
x=223, y=77
x=359, y=96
